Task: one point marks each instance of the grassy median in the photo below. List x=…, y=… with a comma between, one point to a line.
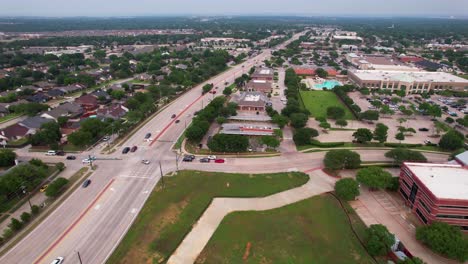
x=315, y=230
x=170, y=212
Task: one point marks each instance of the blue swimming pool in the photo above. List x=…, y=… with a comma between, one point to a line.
x=329, y=84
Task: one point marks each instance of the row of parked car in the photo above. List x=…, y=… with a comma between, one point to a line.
x=190, y=158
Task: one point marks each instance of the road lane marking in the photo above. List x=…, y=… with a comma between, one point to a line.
x=97, y=207
x=136, y=177
x=70, y=228
x=133, y=211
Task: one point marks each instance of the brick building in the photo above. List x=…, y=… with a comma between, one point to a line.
x=436, y=192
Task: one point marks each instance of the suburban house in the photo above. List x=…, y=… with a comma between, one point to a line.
x=34, y=123
x=70, y=110
x=88, y=102
x=259, y=86
x=38, y=98
x=252, y=101
x=3, y=110
x=55, y=93
x=14, y=132
x=115, y=111
x=71, y=88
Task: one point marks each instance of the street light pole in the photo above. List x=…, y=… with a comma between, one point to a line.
x=162, y=176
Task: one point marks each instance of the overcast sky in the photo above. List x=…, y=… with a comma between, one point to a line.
x=233, y=7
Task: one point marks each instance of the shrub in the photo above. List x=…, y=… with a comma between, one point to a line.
x=342, y=159
x=379, y=240
x=374, y=177
x=7, y=233
x=56, y=187
x=60, y=166
x=347, y=189
x=35, y=210
x=15, y=224
x=400, y=155
x=25, y=217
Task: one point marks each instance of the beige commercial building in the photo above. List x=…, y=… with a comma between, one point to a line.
x=410, y=82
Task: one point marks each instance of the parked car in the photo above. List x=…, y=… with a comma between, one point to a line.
x=423, y=129
x=177, y=121
x=204, y=160
x=86, y=183
x=148, y=135
x=146, y=162
x=173, y=116
x=71, y=157
x=212, y=157
x=43, y=188
x=134, y=148
x=125, y=150
x=187, y=159
x=60, y=153
x=106, y=138
x=58, y=260
x=86, y=161
x=51, y=153
x=427, y=142
x=219, y=160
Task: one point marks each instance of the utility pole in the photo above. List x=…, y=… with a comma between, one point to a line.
x=162, y=176
x=79, y=257
x=177, y=161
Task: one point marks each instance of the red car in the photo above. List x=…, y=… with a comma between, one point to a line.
x=219, y=160
x=134, y=148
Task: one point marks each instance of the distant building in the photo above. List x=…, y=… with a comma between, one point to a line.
x=248, y=129
x=259, y=86
x=410, y=82
x=252, y=101
x=265, y=74
x=311, y=70
x=436, y=192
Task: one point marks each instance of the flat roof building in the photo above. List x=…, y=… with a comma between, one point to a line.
x=252, y=101
x=259, y=86
x=248, y=129
x=263, y=74
x=409, y=81
x=436, y=192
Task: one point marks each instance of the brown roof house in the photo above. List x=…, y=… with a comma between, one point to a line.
x=88, y=102
x=14, y=132
x=252, y=101
x=115, y=111
x=259, y=86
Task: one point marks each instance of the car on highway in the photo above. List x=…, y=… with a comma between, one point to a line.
x=205, y=160
x=220, y=160
x=43, y=188
x=51, y=153
x=188, y=158
x=177, y=121
x=146, y=162
x=423, y=129
x=148, y=135
x=86, y=183
x=125, y=150
x=212, y=157
x=173, y=116
x=71, y=157
x=58, y=260
x=133, y=149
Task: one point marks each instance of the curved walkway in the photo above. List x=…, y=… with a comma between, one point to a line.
x=195, y=241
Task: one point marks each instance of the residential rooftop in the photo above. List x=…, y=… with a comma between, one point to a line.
x=446, y=181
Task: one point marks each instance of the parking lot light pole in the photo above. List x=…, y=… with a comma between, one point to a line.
x=79, y=257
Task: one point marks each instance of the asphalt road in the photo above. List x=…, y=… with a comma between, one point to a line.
x=93, y=220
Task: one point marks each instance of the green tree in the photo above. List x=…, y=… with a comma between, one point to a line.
x=347, y=189
x=299, y=120
x=25, y=217
x=228, y=143
x=342, y=159
x=400, y=136
x=399, y=155
x=324, y=125
x=56, y=187
x=206, y=88
x=227, y=91
x=60, y=166
x=362, y=135
x=321, y=73
x=302, y=136
x=413, y=260
x=280, y=120
x=381, y=132
x=379, y=240
x=270, y=141
x=341, y=122
x=7, y=158
x=335, y=112
x=452, y=140
x=80, y=138
x=374, y=177
x=35, y=210
x=15, y=224
x=444, y=239
x=370, y=115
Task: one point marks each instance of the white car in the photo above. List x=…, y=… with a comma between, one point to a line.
x=58, y=260
x=86, y=161
x=51, y=153
x=212, y=157
x=146, y=162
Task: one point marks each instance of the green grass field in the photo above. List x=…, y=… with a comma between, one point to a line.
x=315, y=230
x=317, y=103
x=170, y=212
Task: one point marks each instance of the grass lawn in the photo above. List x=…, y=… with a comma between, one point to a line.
x=170, y=212
x=315, y=230
x=9, y=117
x=317, y=103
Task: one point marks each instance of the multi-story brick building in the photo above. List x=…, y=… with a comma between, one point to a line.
x=436, y=192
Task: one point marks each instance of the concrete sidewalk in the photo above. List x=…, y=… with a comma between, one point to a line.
x=195, y=241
